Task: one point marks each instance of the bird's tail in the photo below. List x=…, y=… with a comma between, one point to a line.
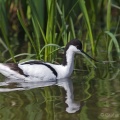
x=9, y=73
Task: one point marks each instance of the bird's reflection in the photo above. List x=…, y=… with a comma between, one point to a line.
x=66, y=83
x=68, y=86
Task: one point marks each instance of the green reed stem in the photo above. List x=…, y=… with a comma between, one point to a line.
x=4, y=27
x=108, y=18
x=26, y=30
x=87, y=19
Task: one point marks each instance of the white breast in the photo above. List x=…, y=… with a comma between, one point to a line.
x=62, y=71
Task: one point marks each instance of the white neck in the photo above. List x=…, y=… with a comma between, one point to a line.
x=69, y=61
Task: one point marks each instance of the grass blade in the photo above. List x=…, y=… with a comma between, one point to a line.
x=4, y=27
x=85, y=14
x=26, y=31
x=114, y=40
x=108, y=18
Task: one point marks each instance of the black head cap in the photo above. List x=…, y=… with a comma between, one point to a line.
x=78, y=45
x=74, y=42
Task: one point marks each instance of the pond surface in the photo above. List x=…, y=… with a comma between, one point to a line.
x=90, y=94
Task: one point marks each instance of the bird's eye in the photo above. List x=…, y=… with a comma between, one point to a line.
x=77, y=46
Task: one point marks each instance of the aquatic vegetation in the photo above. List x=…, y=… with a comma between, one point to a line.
x=35, y=24
x=39, y=29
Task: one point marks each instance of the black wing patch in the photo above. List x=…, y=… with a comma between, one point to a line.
x=41, y=63
x=32, y=62
x=14, y=66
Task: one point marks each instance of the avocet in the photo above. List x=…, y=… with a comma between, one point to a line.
x=37, y=70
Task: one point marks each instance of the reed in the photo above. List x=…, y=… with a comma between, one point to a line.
x=88, y=24
x=47, y=24
x=4, y=29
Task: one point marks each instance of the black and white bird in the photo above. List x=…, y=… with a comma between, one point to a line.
x=36, y=70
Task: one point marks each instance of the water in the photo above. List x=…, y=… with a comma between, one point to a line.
x=90, y=94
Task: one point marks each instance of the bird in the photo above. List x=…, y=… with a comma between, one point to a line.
x=35, y=70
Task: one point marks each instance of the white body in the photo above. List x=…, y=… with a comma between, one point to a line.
x=40, y=72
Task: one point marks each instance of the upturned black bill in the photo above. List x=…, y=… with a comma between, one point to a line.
x=88, y=56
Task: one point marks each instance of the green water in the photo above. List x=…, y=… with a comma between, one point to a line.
x=90, y=94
